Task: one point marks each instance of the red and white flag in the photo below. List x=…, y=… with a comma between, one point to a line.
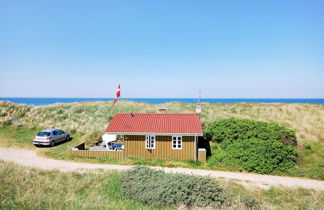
x=117, y=94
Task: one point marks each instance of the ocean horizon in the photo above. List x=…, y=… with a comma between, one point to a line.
x=47, y=101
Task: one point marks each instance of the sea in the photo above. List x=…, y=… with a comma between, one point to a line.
x=48, y=101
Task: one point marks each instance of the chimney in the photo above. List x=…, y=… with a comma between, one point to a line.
x=162, y=111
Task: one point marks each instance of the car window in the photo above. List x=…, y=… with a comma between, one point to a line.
x=61, y=132
x=42, y=133
x=55, y=132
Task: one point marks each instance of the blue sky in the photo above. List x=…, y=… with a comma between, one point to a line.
x=167, y=48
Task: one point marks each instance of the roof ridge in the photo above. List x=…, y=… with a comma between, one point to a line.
x=154, y=113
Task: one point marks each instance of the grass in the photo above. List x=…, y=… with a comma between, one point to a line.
x=21, y=137
x=87, y=121
x=27, y=188
x=92, y=117
x=17, y=137
x=279, y=198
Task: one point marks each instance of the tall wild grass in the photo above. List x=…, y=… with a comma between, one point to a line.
x=91, y=118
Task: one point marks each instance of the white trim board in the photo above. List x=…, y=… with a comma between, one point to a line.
x=156, y=134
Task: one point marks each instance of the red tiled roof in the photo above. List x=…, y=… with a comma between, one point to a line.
x=155, y=123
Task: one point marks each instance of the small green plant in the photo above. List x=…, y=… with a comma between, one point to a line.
x=7, y=123
x=249, y=201
x=307, y=146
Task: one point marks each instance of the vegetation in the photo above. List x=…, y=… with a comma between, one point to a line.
x=256, y=156
x=251, y=145
x=161, y=189
x=26, y=188
x=90, y=117
x=87, y=121
x=231, y=130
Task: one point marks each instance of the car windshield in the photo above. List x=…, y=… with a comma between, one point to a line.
x=42, y=133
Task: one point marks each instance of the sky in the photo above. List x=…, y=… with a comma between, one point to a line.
x=162, y=48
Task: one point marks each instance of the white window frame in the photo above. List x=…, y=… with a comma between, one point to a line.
x=150, y=142
x=176, y=142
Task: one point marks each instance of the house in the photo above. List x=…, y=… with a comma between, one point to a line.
x=159, y=135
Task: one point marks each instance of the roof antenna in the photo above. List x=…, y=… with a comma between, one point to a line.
x=198, y=107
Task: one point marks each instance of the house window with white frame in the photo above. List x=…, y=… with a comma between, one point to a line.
x=176, y=142
x=150, y=142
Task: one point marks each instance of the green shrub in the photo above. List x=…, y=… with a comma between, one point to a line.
x=218, y=157
x=161, y=189
x=261, y=156
x=254, y=146
x=232, y=129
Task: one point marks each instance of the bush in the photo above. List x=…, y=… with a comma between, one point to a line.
x=218, y=158
x=230, y=130
x=254, y=146
x=261, y=156
x=161, y=189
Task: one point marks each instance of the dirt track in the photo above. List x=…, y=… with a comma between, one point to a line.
x=31, y=159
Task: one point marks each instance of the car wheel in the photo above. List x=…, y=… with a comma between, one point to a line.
x=52, y=143
x=67, y=138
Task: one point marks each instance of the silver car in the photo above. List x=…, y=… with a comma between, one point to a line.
x=50, y=137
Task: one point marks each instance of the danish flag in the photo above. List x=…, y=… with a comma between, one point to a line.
x=117, y=94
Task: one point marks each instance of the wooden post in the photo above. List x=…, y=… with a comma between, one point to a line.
x=202, y=155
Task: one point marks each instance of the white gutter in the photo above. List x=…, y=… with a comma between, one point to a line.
x=156, y=134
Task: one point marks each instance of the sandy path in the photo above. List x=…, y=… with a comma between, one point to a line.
x=31, y=159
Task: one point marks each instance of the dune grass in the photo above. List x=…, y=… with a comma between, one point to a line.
x=87, y=121
x=28, y=188
x=25, y=188
x=91, y=117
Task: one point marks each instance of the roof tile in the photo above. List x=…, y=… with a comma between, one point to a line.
x=155, y=123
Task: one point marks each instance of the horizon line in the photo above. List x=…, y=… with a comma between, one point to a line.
x=168, y=98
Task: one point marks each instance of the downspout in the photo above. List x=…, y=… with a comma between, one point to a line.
x=196, y=147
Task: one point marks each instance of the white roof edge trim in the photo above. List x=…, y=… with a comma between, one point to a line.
x=156, y=134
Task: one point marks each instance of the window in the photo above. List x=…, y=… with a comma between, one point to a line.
x=150, y=142
x=55, y=132
x=176, y=142
x=42, y=134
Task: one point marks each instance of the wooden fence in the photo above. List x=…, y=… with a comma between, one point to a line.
x=116, y=155
x=81, y=151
